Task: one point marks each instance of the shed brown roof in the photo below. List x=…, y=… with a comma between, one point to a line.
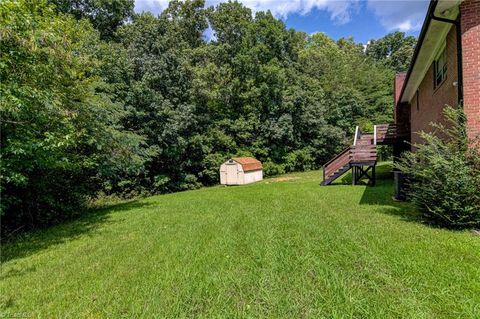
x=248, y=163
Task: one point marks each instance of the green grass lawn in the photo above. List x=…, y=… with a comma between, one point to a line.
x=287, y=248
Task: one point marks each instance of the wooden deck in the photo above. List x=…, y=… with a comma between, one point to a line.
x=361, y=157
x=389, y=133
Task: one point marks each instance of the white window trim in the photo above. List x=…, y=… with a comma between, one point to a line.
x=442, y=48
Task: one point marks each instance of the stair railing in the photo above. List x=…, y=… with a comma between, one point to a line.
x=358, y=135
x=388, y=132
x=366, y=153
x=327, y=164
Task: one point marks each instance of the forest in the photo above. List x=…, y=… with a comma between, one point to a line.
x=97, y=100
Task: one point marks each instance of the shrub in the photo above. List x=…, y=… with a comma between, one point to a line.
x=210, y=164
x=189, y=182
x=272, y=169
x=299, y=160
x=444, y=174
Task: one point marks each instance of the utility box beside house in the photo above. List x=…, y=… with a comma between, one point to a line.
x=240, y=171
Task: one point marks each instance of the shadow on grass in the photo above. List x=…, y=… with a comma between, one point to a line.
x=383, y=173
x=29, y=243
x=382, y=194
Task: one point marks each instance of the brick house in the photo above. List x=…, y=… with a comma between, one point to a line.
x=445, y=70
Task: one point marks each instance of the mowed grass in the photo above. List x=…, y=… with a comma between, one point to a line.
x=279, y=248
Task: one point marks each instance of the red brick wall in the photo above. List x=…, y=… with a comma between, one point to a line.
x=470, y=24
x=431, y=101
x=397, y=89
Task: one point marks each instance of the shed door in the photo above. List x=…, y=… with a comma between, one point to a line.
x=232, y=176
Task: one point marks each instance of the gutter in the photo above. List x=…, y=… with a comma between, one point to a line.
x=421, y=38
x=431, y=16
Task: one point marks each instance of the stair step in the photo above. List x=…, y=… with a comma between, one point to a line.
x=363, y=151
x=329, y=179
x=339, y=170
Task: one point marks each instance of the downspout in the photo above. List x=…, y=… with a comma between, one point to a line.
x=458, y=30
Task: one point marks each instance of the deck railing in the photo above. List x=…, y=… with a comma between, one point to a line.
x=389, y=133
x=340, y=160
x=358, y=135
x=363, y=152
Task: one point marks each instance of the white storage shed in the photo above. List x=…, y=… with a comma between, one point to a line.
x=241, y=170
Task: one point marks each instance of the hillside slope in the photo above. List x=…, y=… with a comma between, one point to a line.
x=283, y=247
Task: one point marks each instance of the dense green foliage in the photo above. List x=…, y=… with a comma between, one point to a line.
x=273, y=249
x=92, y=103
x=444, y=174
x=105, y=15
x=258, y=89
x=60, y=136
x=395, y=50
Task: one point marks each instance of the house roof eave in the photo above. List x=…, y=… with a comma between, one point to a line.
x=430, y=39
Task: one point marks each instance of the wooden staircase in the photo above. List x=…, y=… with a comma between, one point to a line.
x=361, y=157
x=337, y=166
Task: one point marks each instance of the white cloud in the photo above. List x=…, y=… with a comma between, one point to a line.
x=340, y=10
x=153, y=6
x=403, y=15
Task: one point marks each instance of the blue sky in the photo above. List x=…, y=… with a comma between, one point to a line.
x=362, y=19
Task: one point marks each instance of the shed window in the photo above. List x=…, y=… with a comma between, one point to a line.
x=440, y=67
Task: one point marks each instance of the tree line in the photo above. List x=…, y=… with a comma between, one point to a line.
x=96, y=99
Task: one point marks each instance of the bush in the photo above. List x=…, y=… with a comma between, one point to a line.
x=299, y=160
x=444, y=174
x=189, y=182
x=272, y=169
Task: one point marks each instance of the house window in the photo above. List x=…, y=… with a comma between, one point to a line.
x=440, y=67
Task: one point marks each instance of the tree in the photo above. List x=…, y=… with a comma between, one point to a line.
x=187, y=19
x=155, y=108
x=394, y=49
x=230, y=22
x=61, y=137
x=157, y=92
x=105, y=15
x=357, y=89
